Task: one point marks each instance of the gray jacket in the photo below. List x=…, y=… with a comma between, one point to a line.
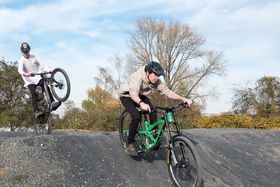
x=138, y=83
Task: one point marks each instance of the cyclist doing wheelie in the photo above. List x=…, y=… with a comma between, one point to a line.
x=27, y=65
x=133, y=93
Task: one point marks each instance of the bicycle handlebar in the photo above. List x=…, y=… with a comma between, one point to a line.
x=42, y=73
x=180, y=105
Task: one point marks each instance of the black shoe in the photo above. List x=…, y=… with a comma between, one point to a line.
x=38, y=113
x=55, y=105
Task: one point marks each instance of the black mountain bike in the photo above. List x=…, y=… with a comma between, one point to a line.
x=57, y=83
x=183, y=161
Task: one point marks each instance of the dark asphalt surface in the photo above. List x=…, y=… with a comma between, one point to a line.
x=231, y=157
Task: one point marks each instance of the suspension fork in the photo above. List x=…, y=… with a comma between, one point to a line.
x=176, y=123
x=170, y=152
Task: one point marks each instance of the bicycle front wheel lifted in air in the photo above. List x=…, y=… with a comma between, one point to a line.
x=184, y=164
x=60, y=84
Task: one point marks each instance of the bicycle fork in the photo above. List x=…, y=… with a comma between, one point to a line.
x=170, y=150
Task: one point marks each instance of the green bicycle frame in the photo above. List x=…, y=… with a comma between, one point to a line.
x=152, y=139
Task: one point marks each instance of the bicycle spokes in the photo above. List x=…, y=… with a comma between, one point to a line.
x=60, y=84
x=183, y=164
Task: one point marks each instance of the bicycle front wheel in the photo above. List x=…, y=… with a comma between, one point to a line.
x=184, y=165
x=60, y=84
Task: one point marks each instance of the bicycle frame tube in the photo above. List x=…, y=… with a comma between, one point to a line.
x=151, y=141
x=47, y=93
x=164, y=121
x=173, y=123
x=176, y=123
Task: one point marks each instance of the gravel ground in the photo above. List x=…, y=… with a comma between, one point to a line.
x=231, y=157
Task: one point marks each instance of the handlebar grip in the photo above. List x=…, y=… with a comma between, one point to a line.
x=184, y=105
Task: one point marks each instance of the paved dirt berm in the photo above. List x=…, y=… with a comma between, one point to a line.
x=231, y=157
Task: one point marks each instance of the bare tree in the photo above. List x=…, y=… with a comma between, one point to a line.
x=180, y=52
x=105, y=80
x=268, y=93
x=117, y=63
x=262, y=100
x=245, y=101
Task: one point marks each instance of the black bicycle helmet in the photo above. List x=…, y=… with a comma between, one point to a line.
x=154, y=67
x=25, y=47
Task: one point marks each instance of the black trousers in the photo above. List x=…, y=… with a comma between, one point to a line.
x=34, y=96
x=130, y=107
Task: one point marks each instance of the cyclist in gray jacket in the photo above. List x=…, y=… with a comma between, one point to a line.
x=133, y=93
x=27, y=65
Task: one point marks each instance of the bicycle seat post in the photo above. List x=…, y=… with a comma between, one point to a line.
x=145, y=116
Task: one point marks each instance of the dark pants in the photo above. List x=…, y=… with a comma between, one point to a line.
x=34, y=96
x=130, y=107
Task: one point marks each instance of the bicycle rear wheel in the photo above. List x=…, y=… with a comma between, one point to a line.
x=124, y=124
x=60, y=84
x=184, y=165
x=43, y=125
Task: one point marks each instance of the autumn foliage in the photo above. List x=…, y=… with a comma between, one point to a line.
x=100, y=112
x=232, y=121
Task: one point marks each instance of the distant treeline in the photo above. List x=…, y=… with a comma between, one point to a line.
x=101, y=110
x=187, y=63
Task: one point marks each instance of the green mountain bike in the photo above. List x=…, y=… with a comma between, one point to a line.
x=184, y=164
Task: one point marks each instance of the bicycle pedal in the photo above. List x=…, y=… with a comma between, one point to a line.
x=140, y=148
x=140, y=151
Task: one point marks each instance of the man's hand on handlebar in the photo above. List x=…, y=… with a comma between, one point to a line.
x=28, y=75
x=187, y=101
x=33, y=74
x=145, y=106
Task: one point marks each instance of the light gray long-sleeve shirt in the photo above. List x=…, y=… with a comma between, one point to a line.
x=31, y=65
x=138, y=83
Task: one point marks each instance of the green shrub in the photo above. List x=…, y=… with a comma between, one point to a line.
x=235, y=121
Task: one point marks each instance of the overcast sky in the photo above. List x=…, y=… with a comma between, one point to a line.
x=82, y=35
